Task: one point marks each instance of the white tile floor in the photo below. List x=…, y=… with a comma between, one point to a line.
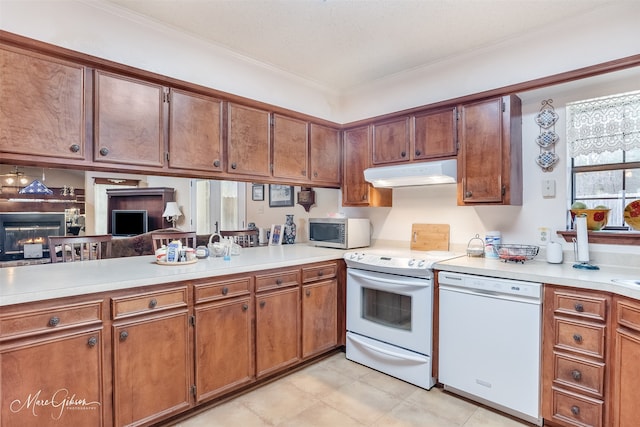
x=339, y=393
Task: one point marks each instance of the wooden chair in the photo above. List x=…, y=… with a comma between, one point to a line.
x=245, y=238
x=163, y=238
x=79, y=248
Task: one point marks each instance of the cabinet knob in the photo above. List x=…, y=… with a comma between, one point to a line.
x=575, y=410
x=74, y=148
x=403, y=154
x=216, y=163
x=54, y=321
x=418, y=152
x=245, y=307
x=234, y=166
x=303, y=172
x=124, y=335
x=104, y=151
x=576, y=375
x=577, y=338
x=468, y=194
x=92, y=342
x=278, y=281
x=315, y=174
x=307, y=292
x=262, y=303
x=579, y=307
x=320, y=273
x=153, y=303
x=225, y=290
x=364, y=197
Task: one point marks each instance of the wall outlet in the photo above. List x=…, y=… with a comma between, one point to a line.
x=544, y=235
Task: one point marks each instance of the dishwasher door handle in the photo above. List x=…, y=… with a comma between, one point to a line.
x=387, y=352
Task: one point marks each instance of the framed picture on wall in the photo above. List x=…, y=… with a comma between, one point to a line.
x=257, y=192
x=280, y=195
x=275, y=238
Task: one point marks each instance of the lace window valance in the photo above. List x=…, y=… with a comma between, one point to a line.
x=604, y=124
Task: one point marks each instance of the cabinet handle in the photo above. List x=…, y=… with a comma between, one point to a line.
x=579, y=307
x=577, y=338
x=124, y=335
x=403, y=154
x=153, y=303
x=54, y=321
x=92, y=342
x=262, y=303
x=364, y=197
x=104, y=151
x=576, y=375
x=225, y=290
x=308, y=292
x=245, y=307
x=234, y=166
x=575, y=410
x=216, y=163
x=278, y=281
x=74, y=148
x=315, y=174
x=303, y=172
x=468, y=194
x=320, y=273
x=418, y=152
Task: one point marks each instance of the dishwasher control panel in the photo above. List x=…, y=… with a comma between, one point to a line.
x=492, y=285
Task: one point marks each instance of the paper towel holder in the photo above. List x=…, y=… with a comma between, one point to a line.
x=582, y=252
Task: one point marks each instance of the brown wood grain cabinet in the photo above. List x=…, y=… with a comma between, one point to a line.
x=356, y=158
x=224, y=350
x=326, y=155
x=249, y=141
x=435, y=134
x=319, y=309
x=490, y=156
x=575, y=367
x=391, y=141
x=129, y=121
x=290, y=148
x=42, y=112
x=195, y=132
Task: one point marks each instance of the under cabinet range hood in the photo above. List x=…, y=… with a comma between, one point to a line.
x=425, y=173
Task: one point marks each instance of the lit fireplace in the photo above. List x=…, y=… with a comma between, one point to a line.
x=20, y=229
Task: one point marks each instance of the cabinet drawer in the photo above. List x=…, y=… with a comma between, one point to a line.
x=148, y=302
x=587, y=306
x=582, y=374
x=576, y=410
x=325, y=271
x=628, y=314
x=583, y=337
x=39, y=321
x=220, y=290
x=277, y=280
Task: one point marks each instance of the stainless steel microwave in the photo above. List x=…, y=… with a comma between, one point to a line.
x=342, y=233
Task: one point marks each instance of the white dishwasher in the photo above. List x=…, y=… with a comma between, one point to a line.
x=489, y=342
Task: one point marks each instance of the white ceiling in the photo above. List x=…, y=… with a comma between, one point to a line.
x=342, y=44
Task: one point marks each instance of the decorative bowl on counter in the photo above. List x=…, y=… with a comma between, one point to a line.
x=517, y=253
x=596, y=218
x=632, y=215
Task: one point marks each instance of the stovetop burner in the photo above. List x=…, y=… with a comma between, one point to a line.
x=397, y=261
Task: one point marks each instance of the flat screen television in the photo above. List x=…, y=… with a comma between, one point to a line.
x=128, y=222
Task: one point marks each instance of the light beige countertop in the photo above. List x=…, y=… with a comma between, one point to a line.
x=538, y=270
x=41, y=282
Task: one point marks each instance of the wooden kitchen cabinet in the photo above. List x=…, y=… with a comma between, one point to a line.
x=355, y=190
x=129, y=121
x=625, y=367
x=248, y=141
x=319, y=309
x=490, y=156
x=195, y=132
x=224, y=351
x=42, y=112
x=152, y=361
x=575, y=354
x=326, y=155
x=391, y=141
x=435, y=134
x=290, y=148
x=277, y=321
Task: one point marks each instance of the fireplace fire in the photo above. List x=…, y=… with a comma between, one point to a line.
x=27, y=228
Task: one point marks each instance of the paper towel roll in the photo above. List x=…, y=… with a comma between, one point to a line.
x=582, y=239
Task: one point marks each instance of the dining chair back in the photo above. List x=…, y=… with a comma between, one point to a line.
x=244, y=238
x=79, y=248
x=163, y=238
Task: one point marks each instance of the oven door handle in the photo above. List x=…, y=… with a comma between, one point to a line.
x=387, y=352
x=397, y=284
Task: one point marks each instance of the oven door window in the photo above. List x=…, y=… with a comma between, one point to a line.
x=387, y=308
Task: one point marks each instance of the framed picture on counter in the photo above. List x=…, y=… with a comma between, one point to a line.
x=280, y=195
x=257, y=192
x=275, y=238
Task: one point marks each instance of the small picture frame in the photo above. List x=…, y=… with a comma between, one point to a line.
x=257, y=192
x=280, y=195
x=275, y=237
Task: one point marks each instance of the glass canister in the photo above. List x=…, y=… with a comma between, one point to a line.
x=491, y=242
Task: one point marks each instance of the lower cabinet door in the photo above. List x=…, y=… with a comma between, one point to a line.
x=319, y=317
x=224, y=347
x=53, y=381
x=151, y=368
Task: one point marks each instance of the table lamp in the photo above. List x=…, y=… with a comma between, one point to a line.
x=172, y=212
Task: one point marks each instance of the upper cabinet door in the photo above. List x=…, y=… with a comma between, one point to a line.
x=128, y=121
x=326, y=155
x=290, y=148
x=491, y=152
x=195, y=132
x=42, y=105
x=249, y=141
x=391, y=141
x=435, y=134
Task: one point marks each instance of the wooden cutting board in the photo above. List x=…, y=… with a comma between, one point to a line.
x=430, y=237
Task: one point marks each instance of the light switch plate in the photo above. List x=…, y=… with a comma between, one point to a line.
x=548, y=188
